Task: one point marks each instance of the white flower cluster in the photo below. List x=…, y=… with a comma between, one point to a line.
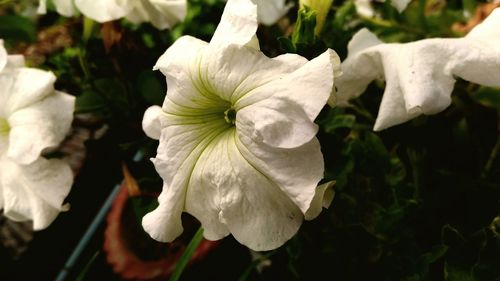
x=162, y=14
x=34, y=118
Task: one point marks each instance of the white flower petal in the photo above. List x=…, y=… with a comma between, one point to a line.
x=3, y=56
x=161, y=13
x=164, y=223
x=36, y=191
x=364, y=8
x=305, y=163
x=276, y=122
x=105, y=10
x=203, y=196
x=65, y=7
x=322, y=199
x=14, y=61
x=400, y=5
x=40, y=126
x=24, y=86
x=256, y=211
x=270, y=11
x=151, y=123
x=420, y=75
x=188, y=93
x=238, y=23
x=179, y=150
x=180, y=145
x=183, y=50
x=42, y=7
x=480, y=62
x=309, y=86
x=180, y=64
x=358, y=69
x=233, y=71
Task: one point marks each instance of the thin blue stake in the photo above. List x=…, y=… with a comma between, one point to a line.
x=63, y=274
x=89, y=233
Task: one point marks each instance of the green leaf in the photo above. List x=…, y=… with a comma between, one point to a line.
x=376, y=145
x=304, y=40
x=186, y=256
x=81, y=276
x=17, y=28
x=303, y=31
x=487, y=96
x=436, y=253
x=339, y=121
x=89, y=101
x=142, y=205
x=454, y=273
x=344, y=14
x=287, y=45
x=114, y=92
x=150, y=87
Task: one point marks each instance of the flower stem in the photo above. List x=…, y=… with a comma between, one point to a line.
x=87, y=267
x=88, y=27
x=492, y=158
x=186, y=256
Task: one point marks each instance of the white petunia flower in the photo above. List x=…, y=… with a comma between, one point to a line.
x=33, y=119
x=3, y=56
x=400, y=5
x=63, y=7
x=161, y=13
x=420, y=75
x=270, y=11
x=237, y=136
x=365, y=8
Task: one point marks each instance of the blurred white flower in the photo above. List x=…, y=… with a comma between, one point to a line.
x=420, y=75
x=270, y=11
x=237, y=136
x=160, y=13
x=365, y=8
x=400, y=5
x=63, y=7
x=33, y=119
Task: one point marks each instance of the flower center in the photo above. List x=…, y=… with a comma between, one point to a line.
x=230, y=116
x=4, y=127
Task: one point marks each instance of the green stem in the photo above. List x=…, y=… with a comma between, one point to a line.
x=83, y=63
x=87, y=267
x=186, y=256
x=416, y=166
x=491, y=159
x=88, y=26
x=362, y=112
x=392, y=24
x=254, y=264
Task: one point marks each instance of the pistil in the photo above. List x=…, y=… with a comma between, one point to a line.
x=230, y=116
